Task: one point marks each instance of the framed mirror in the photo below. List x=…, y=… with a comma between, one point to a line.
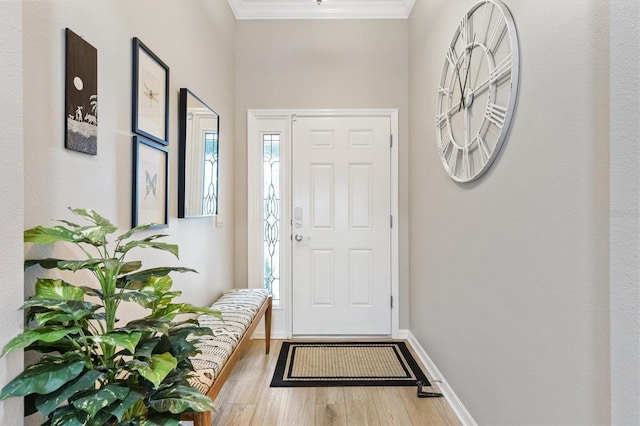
x=198, y=127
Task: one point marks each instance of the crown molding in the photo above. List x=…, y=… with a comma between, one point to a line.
x=329, y=9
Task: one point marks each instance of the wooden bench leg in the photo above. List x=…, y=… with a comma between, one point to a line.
x=267, y=326
x=202, y=419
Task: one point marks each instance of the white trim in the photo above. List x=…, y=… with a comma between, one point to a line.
x=329, y=9
x=456, y=405
x=256, y=126
x=278, y=335
x=254, y=215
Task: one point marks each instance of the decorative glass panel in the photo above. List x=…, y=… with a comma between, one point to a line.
x=271, y=197
x=210, y=175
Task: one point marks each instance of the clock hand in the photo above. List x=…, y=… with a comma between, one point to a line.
x=461, y=103
x=454, y=107
x=466, y=78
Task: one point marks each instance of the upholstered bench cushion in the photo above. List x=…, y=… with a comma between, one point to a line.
x=238, y=308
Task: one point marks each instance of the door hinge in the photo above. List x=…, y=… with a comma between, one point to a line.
x=391, y=140
x=391, y=301
x=391, y=220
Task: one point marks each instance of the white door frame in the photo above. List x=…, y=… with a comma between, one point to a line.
x=260, y=121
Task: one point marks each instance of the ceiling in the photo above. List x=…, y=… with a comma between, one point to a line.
x=328, y=9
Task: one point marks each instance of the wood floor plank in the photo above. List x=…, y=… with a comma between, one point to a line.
x=235, y=415
x=421, y=411
x=247, y=399
x=270, y=408
x=331, y=414
x=389, y=406
x=300, y=407
x=360, y=409
x=329, y=396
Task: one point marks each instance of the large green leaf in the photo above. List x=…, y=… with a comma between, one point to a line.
x=154, y=419
x=129, y=233
x=185, y=308
x=65, y=265
x=158, y=367
x=69, y=223
x=159, y=285
x=42, y=235
x=46, y=404
x=146, y=324
x=180, y=399
x=94, y=235
x=43, y=334
x=68, y=306
x=160, y=419
x=147, y=243
x=102, y=418
x=145, y=349
x=129, y=267
x=121, y=339
x=57, y=289
x=94, y=217
x=76, y=265
x=180, y=347
x=69, y=416
x=118, y=410
x=43, y=378
x=191, y=331
x=90, y=291
x=143, y=299
x=139, y=279
x=48, y=263
x=43, y=318
x=101, y=398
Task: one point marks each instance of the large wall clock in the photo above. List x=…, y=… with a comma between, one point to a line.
x=477, y=91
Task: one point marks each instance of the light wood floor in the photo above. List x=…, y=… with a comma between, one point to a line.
x=247, y=399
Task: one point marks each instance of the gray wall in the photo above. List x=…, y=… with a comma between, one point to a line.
x=508, y=275
x=11, y=199
x=322, y=64
x=625, y=212
x=195, y=40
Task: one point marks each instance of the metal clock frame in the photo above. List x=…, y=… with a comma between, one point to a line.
x=496, y=115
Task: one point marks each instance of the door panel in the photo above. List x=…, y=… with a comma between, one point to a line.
x=341, y=188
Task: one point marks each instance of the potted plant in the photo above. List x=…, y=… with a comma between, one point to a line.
x=93, y=370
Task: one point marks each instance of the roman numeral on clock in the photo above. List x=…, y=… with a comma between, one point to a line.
x=496, y=114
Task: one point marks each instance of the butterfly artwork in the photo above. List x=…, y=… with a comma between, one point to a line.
x=152, y=184
x=150, y=195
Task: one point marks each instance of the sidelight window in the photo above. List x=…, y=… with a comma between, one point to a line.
x=271, y=202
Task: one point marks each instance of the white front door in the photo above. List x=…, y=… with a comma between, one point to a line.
x=341, y=231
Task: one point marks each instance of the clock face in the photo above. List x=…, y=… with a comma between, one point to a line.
x=477, y=90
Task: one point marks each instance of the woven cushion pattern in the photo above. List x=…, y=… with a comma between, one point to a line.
x=238, y=308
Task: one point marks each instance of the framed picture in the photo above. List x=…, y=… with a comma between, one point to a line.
x=150, y=183
x=150, y=94
x=81, y=95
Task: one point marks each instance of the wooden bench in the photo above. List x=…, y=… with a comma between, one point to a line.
x=241, y=312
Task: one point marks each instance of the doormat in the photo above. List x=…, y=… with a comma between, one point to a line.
x=314, y=364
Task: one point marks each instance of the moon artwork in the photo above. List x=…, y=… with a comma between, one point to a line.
x=81, y=112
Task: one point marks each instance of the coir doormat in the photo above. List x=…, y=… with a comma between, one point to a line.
x=309, y=364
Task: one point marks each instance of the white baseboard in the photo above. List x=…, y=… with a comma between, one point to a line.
x=461, y=412
x=274, y=335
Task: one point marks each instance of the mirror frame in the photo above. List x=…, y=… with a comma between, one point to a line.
x=183, y=146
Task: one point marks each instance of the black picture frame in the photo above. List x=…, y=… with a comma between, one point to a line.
x=150, y=93
x=81, y=95
x=150, y=183
x=198, y=157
